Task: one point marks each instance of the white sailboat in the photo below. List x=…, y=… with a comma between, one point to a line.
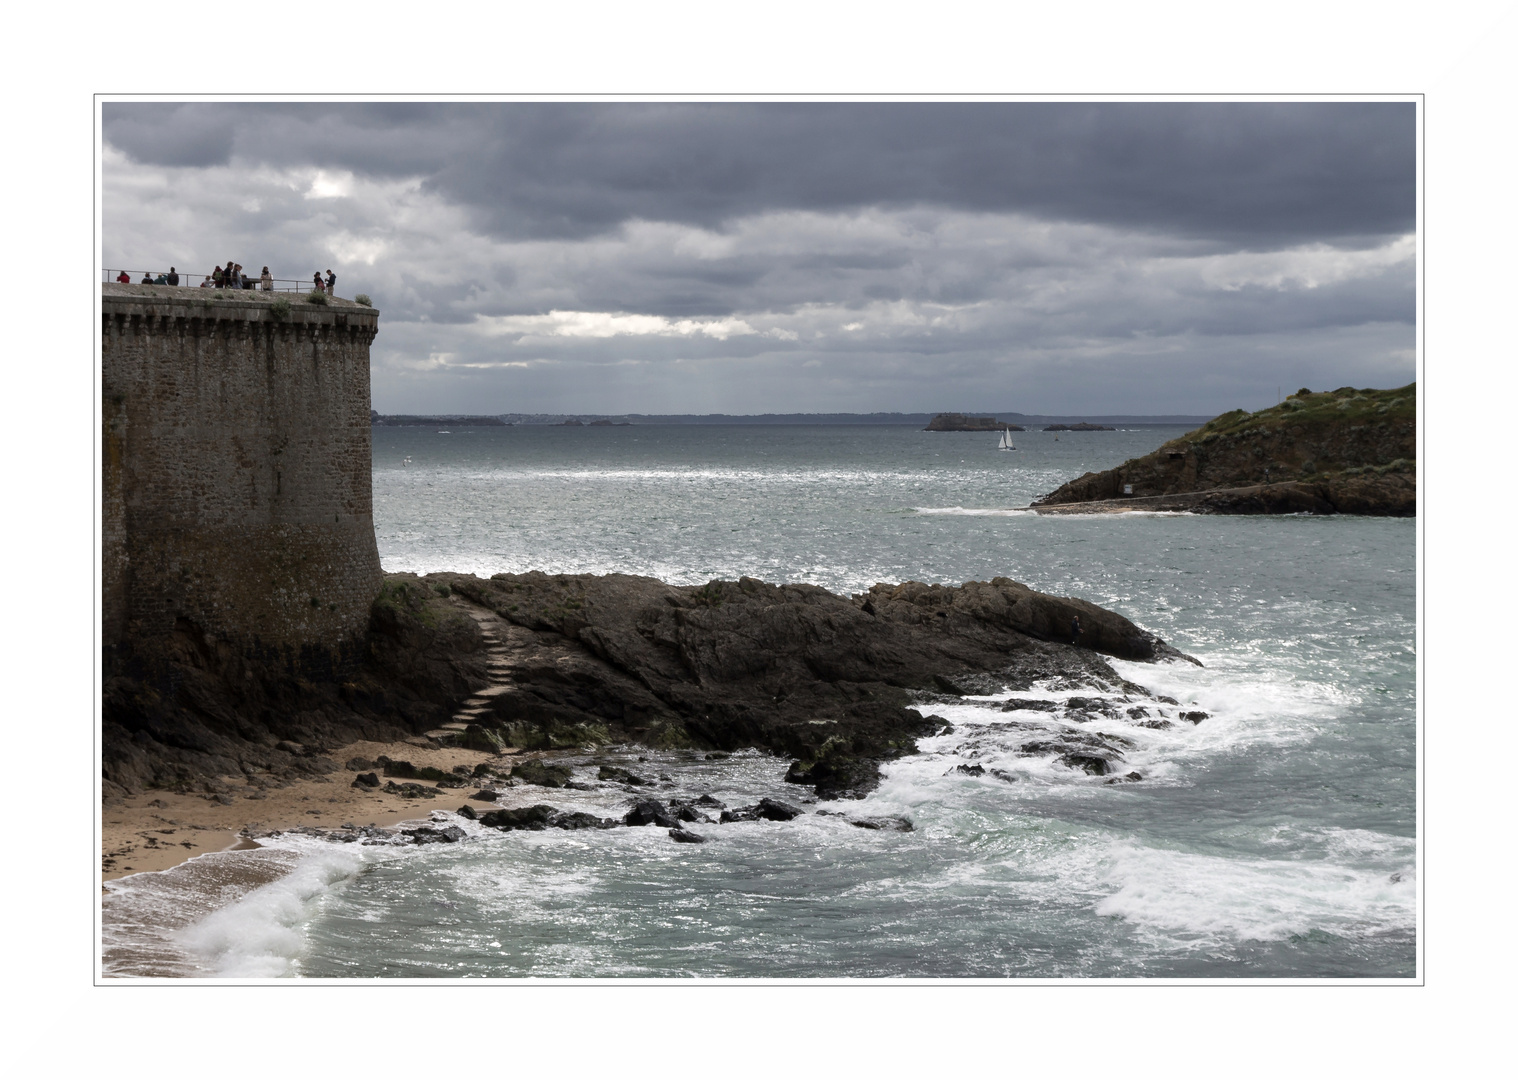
x=1006, y=441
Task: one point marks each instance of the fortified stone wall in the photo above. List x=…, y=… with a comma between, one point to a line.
x=237, y=501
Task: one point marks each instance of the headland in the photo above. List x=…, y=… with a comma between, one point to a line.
x=1344, y=451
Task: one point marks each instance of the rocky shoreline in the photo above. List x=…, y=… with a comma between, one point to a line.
x=550, y=665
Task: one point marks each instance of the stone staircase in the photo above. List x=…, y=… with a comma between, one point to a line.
x=497, y=666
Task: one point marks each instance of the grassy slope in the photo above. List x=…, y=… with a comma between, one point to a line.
x=1344, y=432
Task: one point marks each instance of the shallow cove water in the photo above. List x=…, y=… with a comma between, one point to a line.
x=1274, y=838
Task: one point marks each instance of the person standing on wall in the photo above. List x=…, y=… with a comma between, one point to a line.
x=1075, y=630
x=331, y=282
x=124, y=278
x=173, y=276
x=316, y=282
x=266, y=281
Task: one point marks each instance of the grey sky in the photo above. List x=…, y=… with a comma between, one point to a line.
x=1042, y=257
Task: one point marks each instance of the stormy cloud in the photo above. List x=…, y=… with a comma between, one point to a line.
x=745, y=257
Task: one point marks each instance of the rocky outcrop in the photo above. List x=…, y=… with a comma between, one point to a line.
x=953, y=421
x=1346, y=451
x=822, y=679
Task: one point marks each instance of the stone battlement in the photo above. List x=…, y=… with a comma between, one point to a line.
x=237, y=490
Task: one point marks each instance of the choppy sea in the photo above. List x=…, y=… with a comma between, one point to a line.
x=1275, y=839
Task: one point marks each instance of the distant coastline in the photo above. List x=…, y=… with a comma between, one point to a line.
x=918, y=420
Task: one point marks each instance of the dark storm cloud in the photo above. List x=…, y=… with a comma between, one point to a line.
x=1255, y=175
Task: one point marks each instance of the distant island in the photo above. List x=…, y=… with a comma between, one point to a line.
x=377, y=420
x=1082, y=426
x=953, y=421
x=1344, y=451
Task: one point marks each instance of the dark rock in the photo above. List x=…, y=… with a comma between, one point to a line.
x=580, y=820
x=289, y=747
x=428, y=835
x=485, y=795
x=1158, y=725
x=1096, y=766
x=412, y=791
x=467, y=811
x=940, y=726
x=708, y=800
x=775, y=810
x=542, y=774
x=1036, y=706
x=891, y=824
x=360, y=764
x=366, y=780
x=839, y=770
x=690, y=813
x=650, y=812
x=1138, y=712
x=971, y=770
x=681, y=836
x=744, y=814
x=716, y=757
x=527, y=817
x=620, y=776
x=1002, y=774
x=404, y=770
x=1167, y=700
x=1196, y=716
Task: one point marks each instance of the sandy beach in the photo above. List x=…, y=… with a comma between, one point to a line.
x=155, y=830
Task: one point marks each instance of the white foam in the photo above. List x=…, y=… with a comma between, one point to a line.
x=262, y=935
x=1252, y=899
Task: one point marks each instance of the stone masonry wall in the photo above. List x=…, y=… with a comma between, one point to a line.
x=236, y=487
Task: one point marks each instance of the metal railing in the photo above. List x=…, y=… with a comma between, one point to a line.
x=191, y=281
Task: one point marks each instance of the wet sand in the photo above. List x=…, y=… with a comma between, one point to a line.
x=156, y=830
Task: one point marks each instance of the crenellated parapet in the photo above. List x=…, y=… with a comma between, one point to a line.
x=237, y=499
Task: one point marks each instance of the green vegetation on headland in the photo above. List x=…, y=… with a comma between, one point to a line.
x=1343, y=451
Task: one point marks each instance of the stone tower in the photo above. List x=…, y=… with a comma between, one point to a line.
x=237, y=499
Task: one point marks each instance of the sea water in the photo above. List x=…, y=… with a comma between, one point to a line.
x=1276, y=838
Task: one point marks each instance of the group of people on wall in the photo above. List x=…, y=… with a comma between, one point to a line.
x=231, y=277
